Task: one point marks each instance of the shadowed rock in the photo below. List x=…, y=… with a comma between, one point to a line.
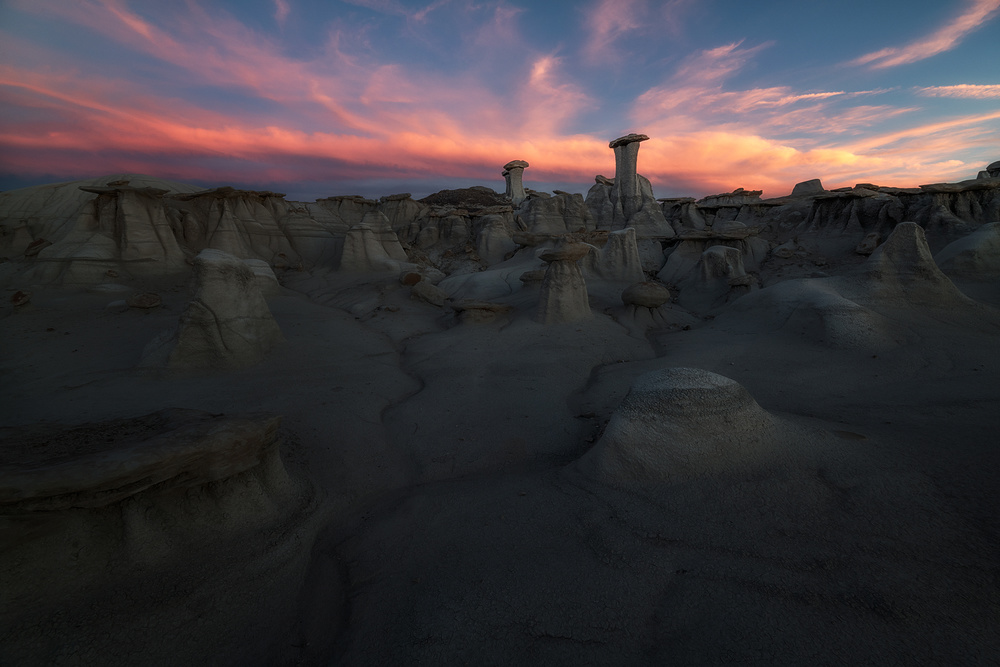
x=226, y=326
x=679, y=423
x=625, y=192
x=563, y=296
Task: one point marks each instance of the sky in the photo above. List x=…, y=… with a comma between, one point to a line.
x=316, y=98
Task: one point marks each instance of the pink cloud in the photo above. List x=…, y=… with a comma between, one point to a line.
x=607, y=21
x=963, y=91
x=945, y=38
x=281, y=11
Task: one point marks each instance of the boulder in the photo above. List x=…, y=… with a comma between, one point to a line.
x=646, y=294
x=808, y=188
x=429, y=293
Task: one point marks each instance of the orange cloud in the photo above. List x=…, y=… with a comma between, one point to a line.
x=943, y=39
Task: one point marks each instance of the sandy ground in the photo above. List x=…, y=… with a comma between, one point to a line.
x=447, y=522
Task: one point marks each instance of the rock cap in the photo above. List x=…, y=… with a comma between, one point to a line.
x=627, y=139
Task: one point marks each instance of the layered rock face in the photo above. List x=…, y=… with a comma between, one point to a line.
x=227, y=325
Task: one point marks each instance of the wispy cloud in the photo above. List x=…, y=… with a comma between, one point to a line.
x=281, y=11
x=945, y=38
x=963, y=91
x=397, y=8
x=607, y=21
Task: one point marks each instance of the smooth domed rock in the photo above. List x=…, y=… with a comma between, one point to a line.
x=646, y=294
x=679, y=423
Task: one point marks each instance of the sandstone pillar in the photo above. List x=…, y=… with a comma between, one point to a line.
x=563, y=295
x=626, y=194
x=515, y=189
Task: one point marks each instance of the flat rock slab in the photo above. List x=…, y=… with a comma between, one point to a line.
x=52, y=467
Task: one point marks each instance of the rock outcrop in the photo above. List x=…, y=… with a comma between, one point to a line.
x=563, y=297
x=513, y=173
x=618, y=260
x=678, y=424
x=226, y=326
x=974, y=257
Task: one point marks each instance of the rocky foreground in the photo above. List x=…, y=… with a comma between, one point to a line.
x=519, y=428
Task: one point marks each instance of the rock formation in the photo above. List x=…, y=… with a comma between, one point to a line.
x=618, y=260
x=678, y=424
x=975, y=257
x=563, y=297
x=627, y=201
x=513, y=173
x=625, y=195
x=646, y=295
x=226, y=326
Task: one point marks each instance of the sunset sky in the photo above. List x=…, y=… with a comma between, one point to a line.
x=317, y=98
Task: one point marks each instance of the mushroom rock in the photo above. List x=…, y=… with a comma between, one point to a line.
x=646, y=294
x=627, y=201
x=560, y=214
x=625, y=193
x=563, y=296
x=494, y=242
x=678, y=424
x=617, y=260
x=808, y=188
x=976, y=256
x=226, y=326
x=515, y=188
x=506, y=177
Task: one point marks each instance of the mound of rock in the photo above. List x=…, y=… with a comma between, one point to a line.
x=226, y=326
x=975, y=257
x=677, y=424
